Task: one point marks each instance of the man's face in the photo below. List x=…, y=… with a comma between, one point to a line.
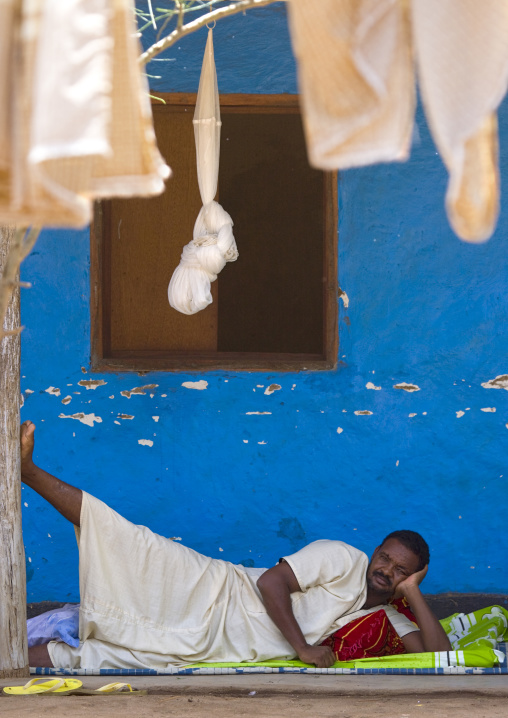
x=390, y=564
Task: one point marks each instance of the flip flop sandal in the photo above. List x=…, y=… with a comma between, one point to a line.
x=41, y=686
x=122, y=689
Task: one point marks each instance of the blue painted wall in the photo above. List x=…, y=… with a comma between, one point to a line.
x=424, y=308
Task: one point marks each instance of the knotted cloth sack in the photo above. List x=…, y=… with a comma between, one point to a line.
x=213, y=243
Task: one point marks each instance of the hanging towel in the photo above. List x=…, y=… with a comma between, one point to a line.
x=356, y=80
x=355, y=68
x=79, y=120
x=462, y=59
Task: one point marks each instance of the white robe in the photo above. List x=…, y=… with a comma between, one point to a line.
x=149, y=602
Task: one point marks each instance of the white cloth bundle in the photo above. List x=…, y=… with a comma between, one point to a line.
x=78, y=121
x=357, y=80
x=213, y=243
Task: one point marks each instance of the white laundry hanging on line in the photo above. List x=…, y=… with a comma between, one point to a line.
x=213, y=243
x=357, y=80
x=75, y=121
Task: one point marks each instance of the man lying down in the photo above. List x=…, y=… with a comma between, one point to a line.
x=148, y=602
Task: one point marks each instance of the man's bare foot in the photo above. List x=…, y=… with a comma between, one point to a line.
x=26, y=440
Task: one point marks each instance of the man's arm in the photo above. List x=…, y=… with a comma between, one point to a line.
x=432, y=636
x=276, y=586
x=64, y=497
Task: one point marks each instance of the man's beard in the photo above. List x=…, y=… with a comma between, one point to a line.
x=383, y=588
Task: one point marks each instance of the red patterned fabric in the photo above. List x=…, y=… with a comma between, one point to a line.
x=402, y=606
x=369, y=636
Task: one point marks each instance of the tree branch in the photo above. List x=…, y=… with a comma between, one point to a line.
x=200, y=22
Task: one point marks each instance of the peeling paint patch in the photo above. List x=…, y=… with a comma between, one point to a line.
x=257, y=413
x=363, y=412
x=339, y=430
x=52, y=390
x=500, y=382
x=83, y=370
x=21, y=400
x=138, y=390
x=411, y=415
x=125, y=416
x=112, y=396
x=87, y=419
x=92, y=383
x=145, y=442
x=273, y=387
x=117, y=422
x=407, y=387
x=397, y=463
x=370, y=385
x=489, y=408
x=199, y=385
x=29, y=391
x=67, y=399
x=156, y=418
x=245, y=441
x=261, y=442
x=459, y=414
x=344, y=297
x=175, y=538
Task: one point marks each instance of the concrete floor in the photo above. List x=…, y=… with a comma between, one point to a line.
x=318, y=685
x=279, y=696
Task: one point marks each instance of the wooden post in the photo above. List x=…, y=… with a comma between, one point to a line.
x=13, y=641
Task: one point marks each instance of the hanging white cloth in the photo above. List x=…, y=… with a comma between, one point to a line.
x=213, y=243
x=462, y=61
x=78, y=124
x=357, y=82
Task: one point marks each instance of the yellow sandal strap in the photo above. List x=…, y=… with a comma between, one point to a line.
x=114, y=687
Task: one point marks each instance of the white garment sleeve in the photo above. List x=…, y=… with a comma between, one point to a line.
x=401, y=623
x=322, y=562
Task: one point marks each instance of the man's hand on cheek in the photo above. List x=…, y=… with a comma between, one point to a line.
x=409, y=584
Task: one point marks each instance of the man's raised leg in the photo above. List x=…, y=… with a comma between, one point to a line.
x=65, y=498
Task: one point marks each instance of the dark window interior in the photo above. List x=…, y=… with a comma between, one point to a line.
x=275, y=307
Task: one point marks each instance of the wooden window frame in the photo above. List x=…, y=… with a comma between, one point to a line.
x=103, y=360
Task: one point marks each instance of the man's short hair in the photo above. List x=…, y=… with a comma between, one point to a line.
x=414, y=542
